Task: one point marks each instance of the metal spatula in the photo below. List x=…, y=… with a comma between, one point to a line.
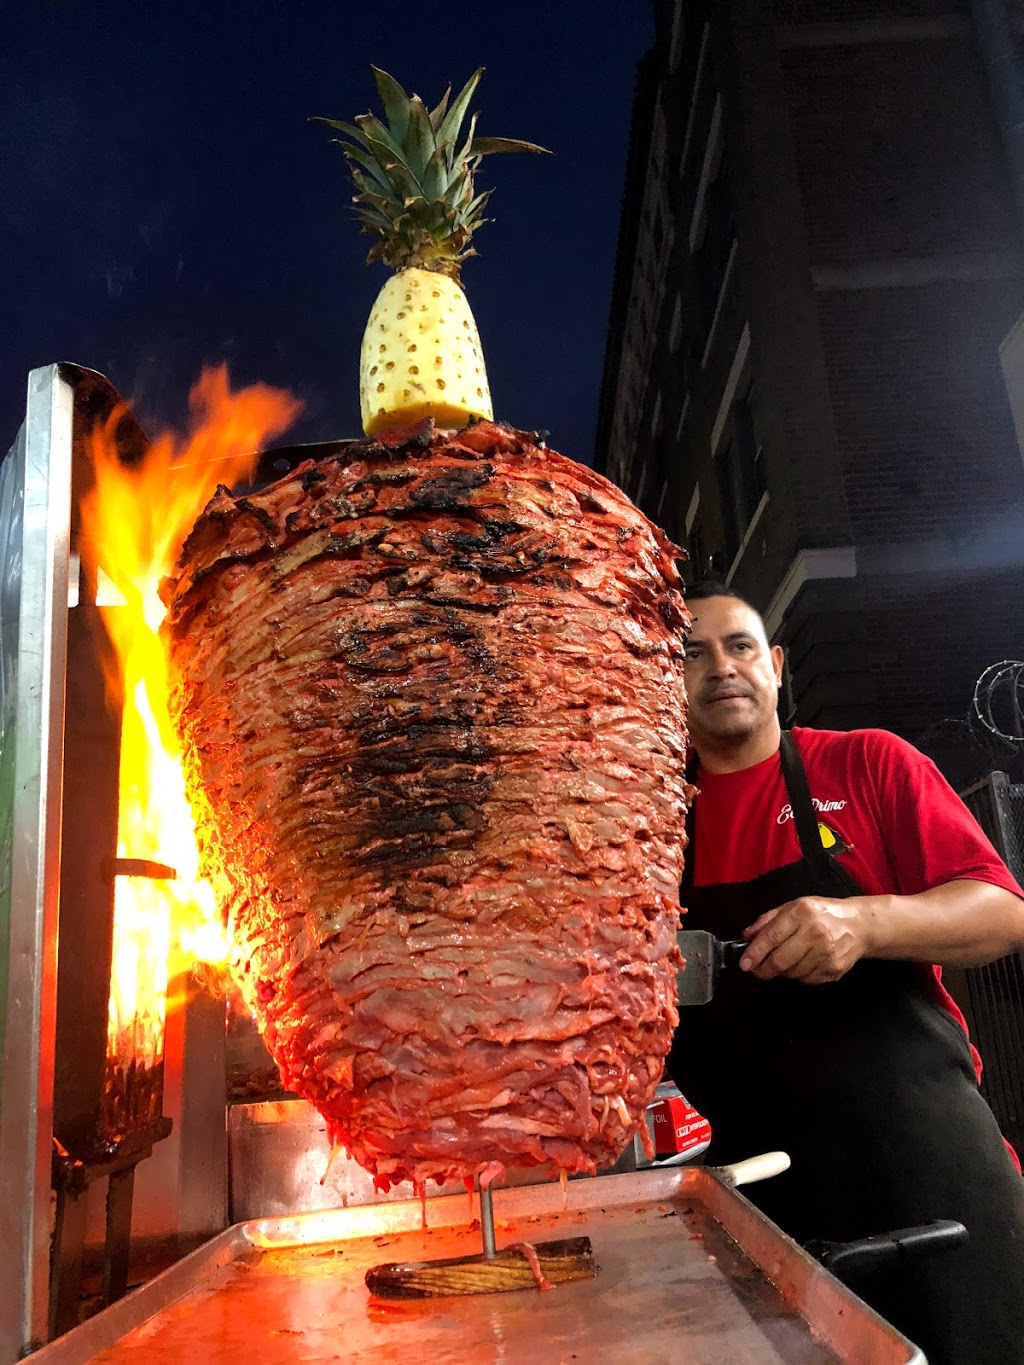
x=705, y=957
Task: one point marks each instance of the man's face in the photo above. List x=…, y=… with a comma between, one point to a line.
x=732, y=674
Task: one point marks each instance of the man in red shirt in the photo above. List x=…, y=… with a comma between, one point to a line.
x=853, y=872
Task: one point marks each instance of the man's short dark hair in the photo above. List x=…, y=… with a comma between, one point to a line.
x=708, y=587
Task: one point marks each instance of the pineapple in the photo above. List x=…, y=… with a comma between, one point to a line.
x=421, y=353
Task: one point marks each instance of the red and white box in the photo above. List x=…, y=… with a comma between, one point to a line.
x=678, y=1128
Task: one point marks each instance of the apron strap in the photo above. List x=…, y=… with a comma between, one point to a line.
x=804, y=816
x=824, y=868
x=829, y=875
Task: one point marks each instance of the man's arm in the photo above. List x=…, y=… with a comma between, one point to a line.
x=959, y=924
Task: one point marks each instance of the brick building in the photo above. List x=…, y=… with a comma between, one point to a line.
x=820, y=255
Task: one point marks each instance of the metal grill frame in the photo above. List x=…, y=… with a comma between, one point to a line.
x=58, y=835
x=992, y=997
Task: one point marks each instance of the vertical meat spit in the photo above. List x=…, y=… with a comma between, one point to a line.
x=487, y=1221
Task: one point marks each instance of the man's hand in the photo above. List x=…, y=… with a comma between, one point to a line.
x=958, y=924
x=812, y=940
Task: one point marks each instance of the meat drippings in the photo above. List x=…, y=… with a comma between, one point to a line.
x=529, y=1251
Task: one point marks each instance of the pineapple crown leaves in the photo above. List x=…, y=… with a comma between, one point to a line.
x=414, y=178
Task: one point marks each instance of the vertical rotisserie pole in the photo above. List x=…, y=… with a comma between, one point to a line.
x=487, y=1221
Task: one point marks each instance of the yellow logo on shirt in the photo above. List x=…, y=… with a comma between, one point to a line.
x=831, y=840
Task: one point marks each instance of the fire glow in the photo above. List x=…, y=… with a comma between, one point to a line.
x=134, y=521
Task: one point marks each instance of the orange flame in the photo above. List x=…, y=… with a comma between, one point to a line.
x=134, y=521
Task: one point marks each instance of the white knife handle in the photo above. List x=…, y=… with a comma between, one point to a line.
x=755, y=1168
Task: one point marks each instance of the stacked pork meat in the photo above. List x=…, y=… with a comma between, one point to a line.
x=431, y=702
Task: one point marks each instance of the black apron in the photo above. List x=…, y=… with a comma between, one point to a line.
x=870, y=1087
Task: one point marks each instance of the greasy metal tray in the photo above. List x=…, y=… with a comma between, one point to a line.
x=689, y=1269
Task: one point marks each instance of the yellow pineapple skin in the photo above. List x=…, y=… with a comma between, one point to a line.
x=421, y=356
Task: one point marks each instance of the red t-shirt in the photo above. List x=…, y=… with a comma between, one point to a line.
x=897, y=824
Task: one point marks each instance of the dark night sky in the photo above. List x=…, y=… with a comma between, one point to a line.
x=165, y=204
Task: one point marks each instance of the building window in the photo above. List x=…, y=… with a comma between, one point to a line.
x=657, y=231
x=698, y=556
x=702, y=562
x=678, y=39
x=675, y=331
x=637, y=496
x=683, y=414
x=712, y=255
x=787, y=700
x=656, y=418
x=740, y=475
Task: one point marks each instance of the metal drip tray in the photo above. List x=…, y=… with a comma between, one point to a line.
x=689, y=1270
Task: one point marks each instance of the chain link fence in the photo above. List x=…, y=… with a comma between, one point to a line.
x=992, y=997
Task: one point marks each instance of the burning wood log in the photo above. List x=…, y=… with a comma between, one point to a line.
x=519, y=1266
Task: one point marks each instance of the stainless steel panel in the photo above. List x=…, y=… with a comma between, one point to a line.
x=688, y=1270
x=26, y=1098
x=203, y=1207
x=278, y=1154
x=12, y=499
x=279, y=1162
